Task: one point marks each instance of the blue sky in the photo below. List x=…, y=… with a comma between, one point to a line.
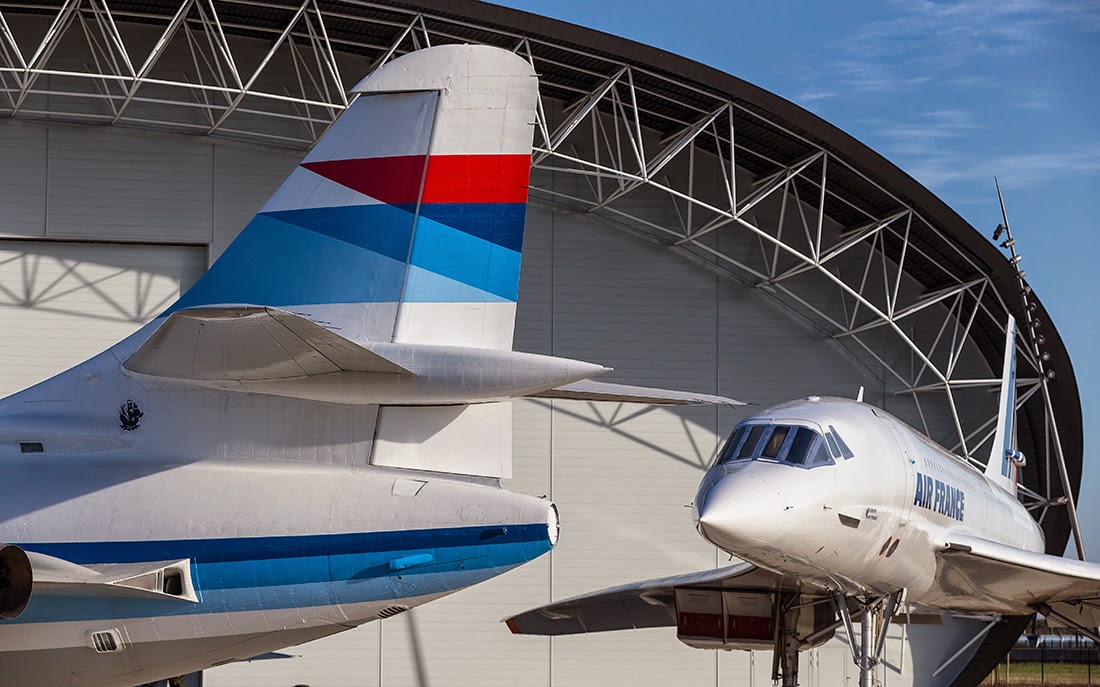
x=953, y=93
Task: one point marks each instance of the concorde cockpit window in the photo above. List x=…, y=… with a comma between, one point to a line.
x=799, y=451
x=775, y=442
x=781, y=443
x=837, y=445
x=752, y=439
x=731, y=444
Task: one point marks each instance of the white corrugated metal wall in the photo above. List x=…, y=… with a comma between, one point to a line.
x=621, y=475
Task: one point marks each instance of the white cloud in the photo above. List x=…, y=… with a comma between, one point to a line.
x=873, y=76
x=926, y=38
x=1039, y=100
x=974, y=26
x=1014, y=171
x=813, y=96
x=925, y=135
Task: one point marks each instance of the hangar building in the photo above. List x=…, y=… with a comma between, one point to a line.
x=685, y=227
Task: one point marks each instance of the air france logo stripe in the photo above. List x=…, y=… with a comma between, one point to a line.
x=939, y=497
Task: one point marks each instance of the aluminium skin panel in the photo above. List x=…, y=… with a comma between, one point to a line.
x=621, y=476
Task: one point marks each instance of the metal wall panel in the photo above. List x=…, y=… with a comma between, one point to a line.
x=129, y=185
x=62, y=302
x=623, y=474
x=114, y=184
x=22, y=180
x=347, y=658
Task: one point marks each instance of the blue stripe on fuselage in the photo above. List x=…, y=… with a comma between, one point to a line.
x=266, y=573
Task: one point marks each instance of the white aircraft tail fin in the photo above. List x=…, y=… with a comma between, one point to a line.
x=1004, y=459
x=405, y=221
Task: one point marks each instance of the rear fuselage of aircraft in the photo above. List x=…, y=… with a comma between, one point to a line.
x=277, y=553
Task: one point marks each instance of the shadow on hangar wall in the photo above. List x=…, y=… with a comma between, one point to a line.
x=736, y=161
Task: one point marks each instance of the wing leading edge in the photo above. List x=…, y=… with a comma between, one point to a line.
x=651, y=603
x=995, y=575
x=589, y=390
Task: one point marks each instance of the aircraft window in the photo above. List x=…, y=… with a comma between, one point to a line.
x=800, y=447
x=785, y=443
x=748, y=448
x=842, y=447
x=775, y=441
x=820, y=455
x=833, y=448
x=731, y=444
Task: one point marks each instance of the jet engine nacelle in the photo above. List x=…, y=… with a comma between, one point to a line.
x=745, y=620
x=16, y=581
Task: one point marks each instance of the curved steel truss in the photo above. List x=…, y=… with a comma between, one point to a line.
x=714, y=178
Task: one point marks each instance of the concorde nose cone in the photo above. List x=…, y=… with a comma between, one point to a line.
x=738, y=510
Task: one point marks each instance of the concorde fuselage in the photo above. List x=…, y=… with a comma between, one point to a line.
x=863, y=507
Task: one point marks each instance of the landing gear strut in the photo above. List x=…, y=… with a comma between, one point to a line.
x=787, y=643
x=868, y=654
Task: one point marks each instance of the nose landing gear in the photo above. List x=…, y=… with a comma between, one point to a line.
x=872, y=611
x=788, y=643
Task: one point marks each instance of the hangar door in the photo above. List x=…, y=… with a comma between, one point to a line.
x=62, y=301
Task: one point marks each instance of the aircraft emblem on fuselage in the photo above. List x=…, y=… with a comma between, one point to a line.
x=129, y=416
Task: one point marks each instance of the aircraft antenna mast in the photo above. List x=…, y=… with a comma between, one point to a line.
x=1035, y=340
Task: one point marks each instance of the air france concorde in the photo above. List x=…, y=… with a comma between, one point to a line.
x=313, y=436
x=840, y=509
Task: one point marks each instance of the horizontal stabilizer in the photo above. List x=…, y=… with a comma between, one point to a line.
x=639, y=604
x=249, y=344
x=264, y=350
x=1013, y=578
x=588, y=390
x=146, y=580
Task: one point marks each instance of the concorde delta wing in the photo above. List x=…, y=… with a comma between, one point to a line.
x=731, y=607
x=994, y=575
x=650, y=603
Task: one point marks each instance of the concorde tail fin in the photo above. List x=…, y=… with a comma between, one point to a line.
x=405, y=222
x=1004, y=458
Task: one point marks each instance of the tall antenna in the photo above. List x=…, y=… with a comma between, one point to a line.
x=1035, y=341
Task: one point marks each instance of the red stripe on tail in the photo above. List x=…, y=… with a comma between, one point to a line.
x=449, y=178
x=477, y=179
